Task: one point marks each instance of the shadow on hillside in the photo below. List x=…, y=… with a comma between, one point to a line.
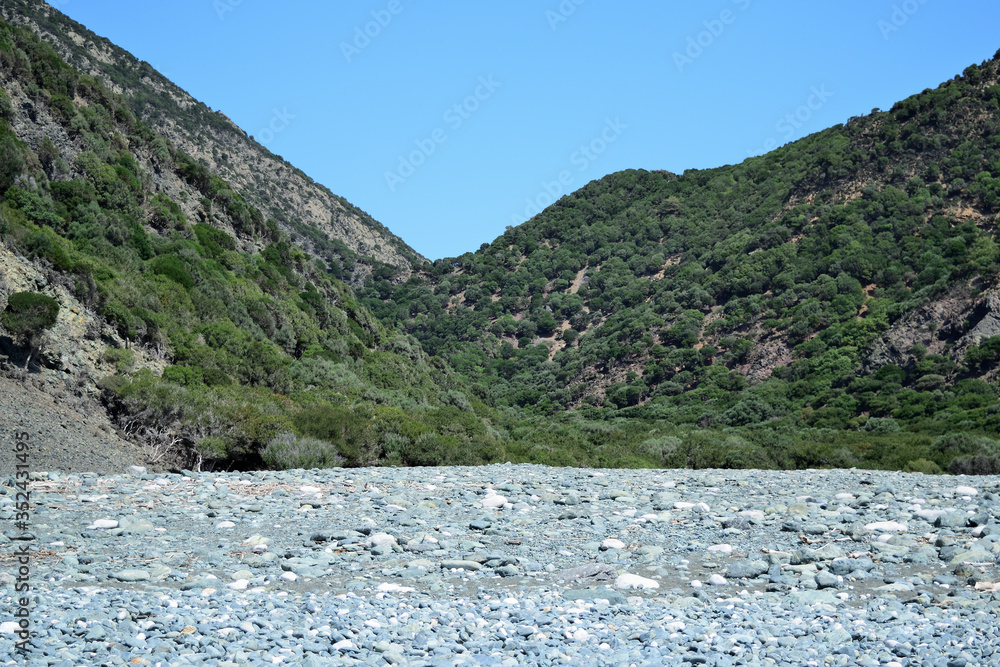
x=12, y=357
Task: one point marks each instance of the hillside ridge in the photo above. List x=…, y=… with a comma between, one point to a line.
x=302, y=207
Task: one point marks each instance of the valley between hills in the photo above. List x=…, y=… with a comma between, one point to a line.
x=830, y=304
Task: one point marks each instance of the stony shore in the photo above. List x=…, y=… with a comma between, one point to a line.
x=507, y=565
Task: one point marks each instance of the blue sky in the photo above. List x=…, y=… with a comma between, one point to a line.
x=449, y=122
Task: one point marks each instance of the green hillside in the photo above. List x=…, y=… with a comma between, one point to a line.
x=264, y=355
x=750, y=294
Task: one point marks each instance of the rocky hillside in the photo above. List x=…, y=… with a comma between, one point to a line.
x=195, y=322
x=772, y=284
x=327, y=226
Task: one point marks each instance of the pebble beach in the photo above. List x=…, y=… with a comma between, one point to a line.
x=505, y=565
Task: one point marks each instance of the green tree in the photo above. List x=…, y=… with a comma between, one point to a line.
x=27, y=316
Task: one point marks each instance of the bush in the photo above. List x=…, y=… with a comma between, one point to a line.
x=215, y=378
x=182, y=375
x=924, y=466
x=29, y=313
x=431, y=449
x=660, y=449
x=122, y=358
x=172, y=267
x=27, y=316
x=975, y=465
x=6, y=108
x=288, y=451
x=393, y=444
x=881, y=425
x=750, y=410
x=958, y=443
x=350, y=433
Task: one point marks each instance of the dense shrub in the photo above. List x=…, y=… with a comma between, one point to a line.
x=288, y=451
x=27, y=316
x=975, y=465
x=881, y=425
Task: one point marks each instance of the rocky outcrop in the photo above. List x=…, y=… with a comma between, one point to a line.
x=75, y=349
x=987, y=308
x=947, y=326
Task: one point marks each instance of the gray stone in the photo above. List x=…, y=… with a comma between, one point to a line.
x=469, y=565
x=593, y=594
x=826, y=579
x=746, y=569
x=952, y=520
x=590, y=572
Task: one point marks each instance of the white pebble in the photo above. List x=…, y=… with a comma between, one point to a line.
x=612, y=543
x=238, y=585
x=381, y=540
x=225, y=524
x=721, y=548
x=289, y=576
x=626, y=581
x=394, y=588
x=103, y=523
x=9, y=628
x=887, y=526
x=490, y=502
x=344, y=645
x=580, y=635
x=966, y=491
x=717, y=580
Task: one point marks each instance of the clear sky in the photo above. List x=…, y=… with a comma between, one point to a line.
x=449, y=121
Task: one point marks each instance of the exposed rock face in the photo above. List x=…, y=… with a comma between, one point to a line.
x=989, y=324
x=74, y=348
x=946, y=326
x=265, y=180
x=924, y=325
x=767, y=355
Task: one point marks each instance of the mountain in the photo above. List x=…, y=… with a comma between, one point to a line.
x=847, y=280
x=325, y=225
x=831, y=303
x=194, y=321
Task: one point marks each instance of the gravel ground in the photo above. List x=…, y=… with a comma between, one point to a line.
x=507, y=565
